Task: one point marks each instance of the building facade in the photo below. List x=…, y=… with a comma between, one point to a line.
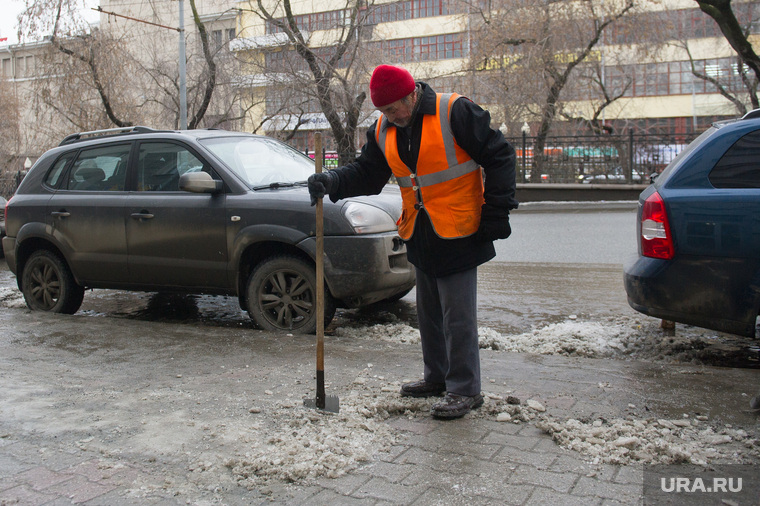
x=646, y=58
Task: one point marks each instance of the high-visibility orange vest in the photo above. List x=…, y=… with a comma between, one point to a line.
x=448, y=183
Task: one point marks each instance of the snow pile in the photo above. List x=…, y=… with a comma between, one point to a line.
x=303, y=444
x=649, y=441
x=615, y=337
x=11, y=296
x=392, y=333
x=291, y=443
x=590, y=339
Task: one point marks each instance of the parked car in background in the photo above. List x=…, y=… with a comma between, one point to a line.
x=614, y=175
x=2, y=222
x=699, y=234
x=200, y=211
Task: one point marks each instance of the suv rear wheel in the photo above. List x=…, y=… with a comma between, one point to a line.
x=281, y=295
x=48, y=284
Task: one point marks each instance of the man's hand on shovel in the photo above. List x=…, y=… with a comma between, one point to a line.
x=321, y=184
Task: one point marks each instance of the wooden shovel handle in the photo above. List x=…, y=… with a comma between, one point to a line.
x=320, y=282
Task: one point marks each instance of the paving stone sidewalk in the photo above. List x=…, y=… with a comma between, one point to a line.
x=83, y=372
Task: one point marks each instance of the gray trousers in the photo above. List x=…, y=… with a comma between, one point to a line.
x=448, y=321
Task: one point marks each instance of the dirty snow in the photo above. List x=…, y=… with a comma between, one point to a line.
x=282, y=441
x=654, y=441
x=10, y=296
x=304, y=444
x=615, y=337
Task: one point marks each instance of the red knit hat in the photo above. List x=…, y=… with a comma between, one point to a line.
x=389, y=84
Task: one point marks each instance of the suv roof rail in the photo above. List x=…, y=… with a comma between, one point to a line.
x=752, y=114
x=104, y=133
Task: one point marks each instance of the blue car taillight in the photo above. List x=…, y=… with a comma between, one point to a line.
x=656, y=239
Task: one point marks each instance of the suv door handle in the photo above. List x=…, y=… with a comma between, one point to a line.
x=61, y=214
x=141, y=216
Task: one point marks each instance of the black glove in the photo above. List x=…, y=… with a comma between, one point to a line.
x=321, y=184
x=494, y=224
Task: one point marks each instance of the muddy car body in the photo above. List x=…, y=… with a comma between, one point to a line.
x=699, y=234
x=200, y=211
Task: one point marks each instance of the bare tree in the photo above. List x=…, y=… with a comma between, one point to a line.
x=538, y=46
x=723, y=14
x=737, y=35
x=130, y=90
x=333, y=69
x=9, y=131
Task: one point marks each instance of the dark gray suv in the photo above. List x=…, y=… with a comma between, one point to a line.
x=200, y=211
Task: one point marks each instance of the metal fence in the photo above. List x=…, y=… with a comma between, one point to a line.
x=608, y=159
x=9, y=183
x=626, y=158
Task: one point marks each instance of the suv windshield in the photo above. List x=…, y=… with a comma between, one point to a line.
x=260, y=161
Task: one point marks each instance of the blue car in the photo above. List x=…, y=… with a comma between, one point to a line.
x=699, y=234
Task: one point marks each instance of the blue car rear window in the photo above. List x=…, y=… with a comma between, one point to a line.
x=740, y=165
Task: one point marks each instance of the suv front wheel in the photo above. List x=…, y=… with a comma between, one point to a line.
x=48, y=285
x=281, y=295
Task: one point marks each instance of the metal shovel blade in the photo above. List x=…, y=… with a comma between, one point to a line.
x=329, y=403
x=323, y=402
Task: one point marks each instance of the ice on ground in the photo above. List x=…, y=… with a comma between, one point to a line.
x=393, y=333
x=589, y=339
x=11, y=297
x=291, y=443
x=573, y=338
x=301, y=445
x=651, y=441
x=615, y=337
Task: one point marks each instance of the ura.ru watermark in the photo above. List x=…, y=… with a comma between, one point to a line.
x=677, y=485
x=684, y=484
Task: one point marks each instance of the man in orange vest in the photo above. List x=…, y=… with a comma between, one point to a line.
x=457, y=181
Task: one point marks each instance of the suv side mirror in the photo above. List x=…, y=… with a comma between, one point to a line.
x=199, y=182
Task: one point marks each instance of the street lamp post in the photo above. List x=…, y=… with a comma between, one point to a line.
x=182, y=71
x=525, y=129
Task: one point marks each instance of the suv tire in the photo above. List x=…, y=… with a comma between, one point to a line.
x=48, y=284
x=281, y=296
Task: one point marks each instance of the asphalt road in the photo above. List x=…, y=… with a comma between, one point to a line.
x=562, y=233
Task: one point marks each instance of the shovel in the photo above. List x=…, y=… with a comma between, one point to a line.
x=323, y=402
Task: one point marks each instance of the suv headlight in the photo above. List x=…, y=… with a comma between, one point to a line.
x=368, y=219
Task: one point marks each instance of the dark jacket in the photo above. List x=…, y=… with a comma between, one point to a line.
x=369, y=173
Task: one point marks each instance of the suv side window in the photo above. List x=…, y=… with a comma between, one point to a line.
x=740, y=165
x=100, y=169
x=162, y=163
x=54, y=176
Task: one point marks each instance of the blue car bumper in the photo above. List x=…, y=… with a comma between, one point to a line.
x=716, y=293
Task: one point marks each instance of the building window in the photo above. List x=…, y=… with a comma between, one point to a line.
x=385, y=13
x=7, y=68
x=216, y=37
x=674, y=78
x=437, y=47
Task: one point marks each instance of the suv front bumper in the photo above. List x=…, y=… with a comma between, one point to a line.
x=364, y=269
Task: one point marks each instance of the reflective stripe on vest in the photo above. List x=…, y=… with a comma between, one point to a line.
x=448, y=183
